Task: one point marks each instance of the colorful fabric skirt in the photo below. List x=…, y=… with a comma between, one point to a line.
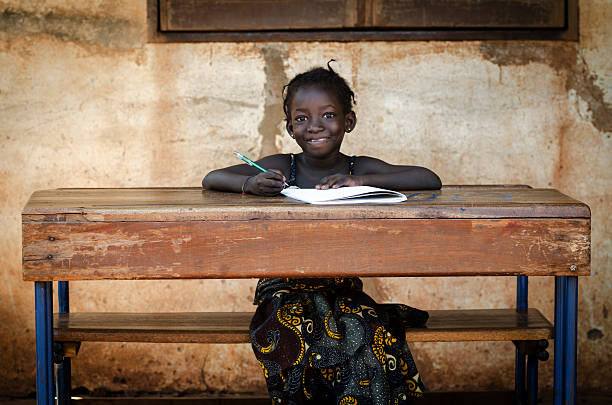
x=326, y=340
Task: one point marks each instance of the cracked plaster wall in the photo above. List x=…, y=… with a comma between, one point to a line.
x=85, y=101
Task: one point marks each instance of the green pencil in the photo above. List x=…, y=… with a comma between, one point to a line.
x=250, y=162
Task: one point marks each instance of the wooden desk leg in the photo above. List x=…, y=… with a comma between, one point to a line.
x=559, y=360
x=571, y=334
x=43, y=295
x=522, y=290
x=63, y=367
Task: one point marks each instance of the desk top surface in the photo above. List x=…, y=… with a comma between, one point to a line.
x=177, y=204
x=152, y=233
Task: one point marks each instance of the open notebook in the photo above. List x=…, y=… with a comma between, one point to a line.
x=345, y=195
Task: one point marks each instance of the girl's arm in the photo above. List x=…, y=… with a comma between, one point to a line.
x=375, y=172
x=247, y=179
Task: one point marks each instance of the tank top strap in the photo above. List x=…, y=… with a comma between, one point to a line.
x=292, y=181
x=351, y=164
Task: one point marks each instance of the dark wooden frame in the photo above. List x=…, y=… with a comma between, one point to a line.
x=568, y=33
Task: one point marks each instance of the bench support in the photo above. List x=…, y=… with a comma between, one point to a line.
x=528, y=352
x=63, y=368
x=532, y=379
x=566, y=323
x=571, y=334
x=566, y=301
x=534, y=351
x=522, y=294
x=560, y=288
x=566, y=328
x=45, y=390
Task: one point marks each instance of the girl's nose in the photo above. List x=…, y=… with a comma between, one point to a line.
x=315, y=126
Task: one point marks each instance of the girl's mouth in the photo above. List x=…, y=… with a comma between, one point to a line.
x=318, y=140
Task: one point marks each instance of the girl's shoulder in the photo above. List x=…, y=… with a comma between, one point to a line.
x=367, y=159
x=278, y=157
x=277, y=161
x=368, y=164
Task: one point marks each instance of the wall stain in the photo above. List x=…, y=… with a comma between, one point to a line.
x=562, y=57
x=274, y=56
x=165, y=166
x=356, y=58
x=90, y=30
x=563, y=155
x=233, y=103
x=595, y=334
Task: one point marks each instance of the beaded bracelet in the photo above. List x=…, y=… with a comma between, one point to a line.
x=244, y=184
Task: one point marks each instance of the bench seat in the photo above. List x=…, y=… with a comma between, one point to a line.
x=233, y=327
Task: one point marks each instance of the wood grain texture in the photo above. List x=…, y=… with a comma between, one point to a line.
x=194, y=204
x=567, y=33
x=298, y=248
x=259, y=15
x=432, y=14
x=216, y=327
x=264, y=15
x=165, y=233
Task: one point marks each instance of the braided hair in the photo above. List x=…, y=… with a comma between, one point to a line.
x=327, y=79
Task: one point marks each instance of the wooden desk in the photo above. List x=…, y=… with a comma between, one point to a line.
x=175, y=233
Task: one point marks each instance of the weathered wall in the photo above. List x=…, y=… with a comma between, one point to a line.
x=85, y=101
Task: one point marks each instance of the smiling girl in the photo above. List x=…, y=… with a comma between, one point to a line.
x=318, y=109
x=325, y=340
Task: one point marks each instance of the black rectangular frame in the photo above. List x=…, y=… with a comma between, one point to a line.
x=568, y=33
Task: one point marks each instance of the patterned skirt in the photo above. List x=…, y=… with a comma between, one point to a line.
x=326, y=340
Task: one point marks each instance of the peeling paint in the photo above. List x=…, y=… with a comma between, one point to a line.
x=274, y=56
x=566, y=58
x=207, y=99
x=583, y=80
x=105, y=31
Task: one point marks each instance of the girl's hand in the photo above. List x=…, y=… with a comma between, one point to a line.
x=267, y=183
x=339, y=180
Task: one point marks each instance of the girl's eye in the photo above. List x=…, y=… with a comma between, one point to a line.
x=300, y=118
x=329, y=115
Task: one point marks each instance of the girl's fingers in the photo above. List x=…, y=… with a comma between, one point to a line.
x=270, y=186
x=333, y=181
x=272, y=178
x=273, y=183
x=277, y=174
x=341, y=182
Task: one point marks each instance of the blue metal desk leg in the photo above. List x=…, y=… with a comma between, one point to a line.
x=560, y=326
x=43, y=295
x=522, y=293
x=571, y=333
x=64, y=366
x=532, y=379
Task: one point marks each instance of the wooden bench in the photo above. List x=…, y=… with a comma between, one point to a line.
x=188, y=233
x=233, y=327
x=528, y=329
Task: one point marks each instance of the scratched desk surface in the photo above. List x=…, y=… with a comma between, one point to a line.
x=193, y=203
x=166, y=233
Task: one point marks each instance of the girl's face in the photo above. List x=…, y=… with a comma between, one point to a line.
x=318, y=122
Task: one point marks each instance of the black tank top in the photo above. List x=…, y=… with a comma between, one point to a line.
x=292, y=181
